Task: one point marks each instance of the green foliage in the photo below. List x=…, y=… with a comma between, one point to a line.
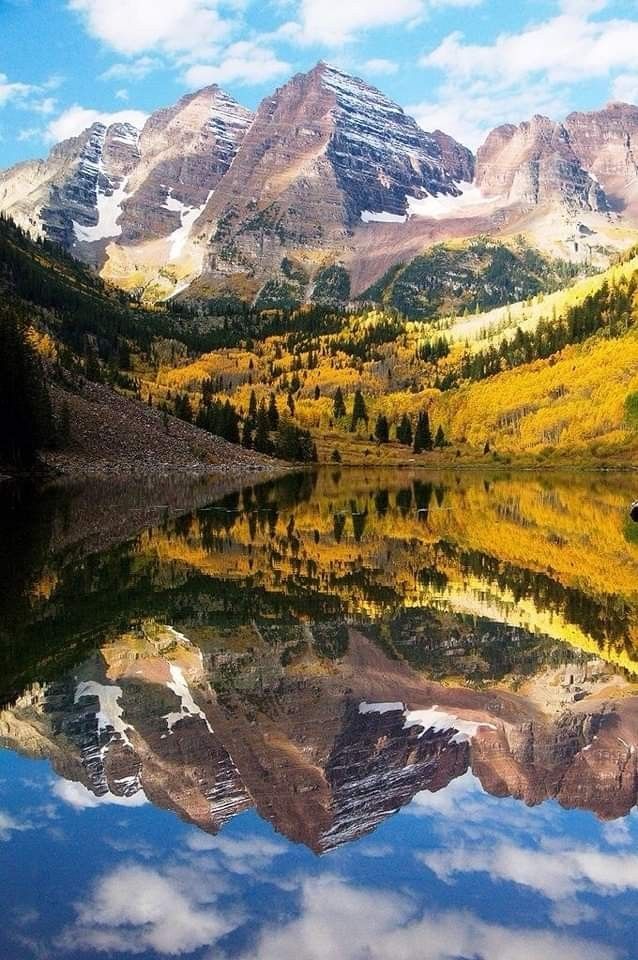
x=359, y=410
x=262, y=430
x=608, y=311
x=339, y=404
x=220, y=419
x=631, y=409
x=404, y=431
x=382, y=429
x=26, y=422
x=422, y=434
x=183, y=407
x=479, y=275
x=294, y=444
x=278, y=295
x=332, y=285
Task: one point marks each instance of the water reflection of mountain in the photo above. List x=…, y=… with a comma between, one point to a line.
x=324, y=748
x=340, y=643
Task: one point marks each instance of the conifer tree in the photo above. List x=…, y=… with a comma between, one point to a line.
x=404, y=431
x=439, y=439
x=339, y=404
x=422, y=434
x=381, y=430
x=359, y=411
x=262, y=430
x=26, y=420
x=273, y=413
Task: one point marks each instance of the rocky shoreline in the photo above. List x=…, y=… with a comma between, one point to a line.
x=112, y=437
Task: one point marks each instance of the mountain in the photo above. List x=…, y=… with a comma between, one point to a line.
x=326, y=757
x=209, y=199
x=119, y=187
x=74, y=196
x=324, y=153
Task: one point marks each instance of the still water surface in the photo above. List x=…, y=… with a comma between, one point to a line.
x=348, y=716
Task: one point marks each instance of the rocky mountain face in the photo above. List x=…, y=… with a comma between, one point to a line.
x=324, y=151
x=73, y=197
x=325, y=757
x=536, y=163
x=329, y=171
x=184, y=153
x=606, y=143
x=126, y=185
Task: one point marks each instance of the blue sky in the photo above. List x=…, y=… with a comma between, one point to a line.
x=455, y=873
x=461, y=65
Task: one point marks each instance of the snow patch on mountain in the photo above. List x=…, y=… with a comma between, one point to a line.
x=109, y=210
x=365, y=707
x=439, y=722
x=76, y=795
x=446, y=205
x=110, y=713
x=370, y=216
x=188, y=215
x=188, y=707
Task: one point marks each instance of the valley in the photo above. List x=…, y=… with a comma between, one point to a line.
x=236, y=290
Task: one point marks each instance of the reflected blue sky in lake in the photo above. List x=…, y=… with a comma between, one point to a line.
x=231, y=783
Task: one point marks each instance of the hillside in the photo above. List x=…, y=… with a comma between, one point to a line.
x=66, y=404
x=476, y=275
x=552, y=378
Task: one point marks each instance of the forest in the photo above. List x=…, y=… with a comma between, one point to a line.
x=324, y=382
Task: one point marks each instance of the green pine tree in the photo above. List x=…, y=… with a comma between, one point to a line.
x=422, y=434
x=339, y=405
x=381, y=429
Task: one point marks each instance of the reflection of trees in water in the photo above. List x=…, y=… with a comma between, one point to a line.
x=604, y=619
x=263, y=568
x=474, y=648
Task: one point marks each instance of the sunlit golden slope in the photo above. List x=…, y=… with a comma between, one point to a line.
x=556, y=560
x=480, y=329
x=576, y=401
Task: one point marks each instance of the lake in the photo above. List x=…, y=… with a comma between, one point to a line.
x=349, y=715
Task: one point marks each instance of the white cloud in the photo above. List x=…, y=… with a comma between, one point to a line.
x=135, y=26
x=133, y=70
x=335, y=22
x=136, y=909
x=339, y=921
x=9, y=825
x=528, y=72
x=122, y=94
x=78, y=796
x=13, y=91
x=470, y=112
x=380, y=67
x=246, y=855
x=556, y=872
x=566, y=48
x=245, y=62
x=74, y=120
x=46, y=106
x=29, y=133
x=625, y=88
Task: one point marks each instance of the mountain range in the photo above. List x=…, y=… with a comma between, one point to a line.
x=326, y=757
x=210, y=199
